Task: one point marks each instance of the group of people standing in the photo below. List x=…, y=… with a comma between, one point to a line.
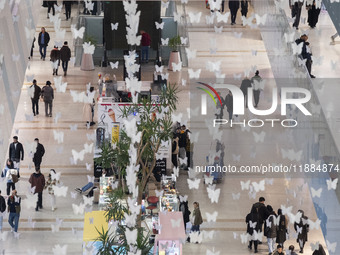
x=312, y=6
x=274, y=226
x=234, y=6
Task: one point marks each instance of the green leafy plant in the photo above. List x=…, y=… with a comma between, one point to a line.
x=90, y=39
x=174, y=42
x=107, y=241
x=116, y=208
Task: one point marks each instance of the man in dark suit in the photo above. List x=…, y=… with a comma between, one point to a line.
x=262, y=211
x=35, y=97
x=39, y=153
x=16, y=151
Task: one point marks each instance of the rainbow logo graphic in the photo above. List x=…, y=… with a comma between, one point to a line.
x=204, y=97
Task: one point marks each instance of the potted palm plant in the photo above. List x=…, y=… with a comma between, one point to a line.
x=175, y=57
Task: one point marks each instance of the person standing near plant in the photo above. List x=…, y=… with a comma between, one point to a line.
x=14, y=209
x=65, y=56
x=43, y=40
x=196, y=219
x=145, y=45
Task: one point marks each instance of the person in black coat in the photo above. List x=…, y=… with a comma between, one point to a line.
x=262, y=210
x=313, y=13
x=32, y=47
x=68, y=6
x=253, y=217
x=229, y=103
x=302, y=228
x=16, y=151
x=246, y=83
x=39, y=153
x=320, y=251
x=296, y=7
x=184, y=208
x=65, y=56
x=305, y=54
x=43, y=40
x=234, y=5
x=35, y=98
x=50, y=5
x=282, y=230
x=244, y=8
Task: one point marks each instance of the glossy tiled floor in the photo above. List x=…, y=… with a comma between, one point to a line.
x=236, y=56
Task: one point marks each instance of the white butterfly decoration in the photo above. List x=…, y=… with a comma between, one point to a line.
x=88, y=148
x=209, y=19
x=73, y=195
x=78, y=209
x=114, y=26
x=132, y=130
x=294, y=217
x=236, y=158
x=165, y=4
x=131, y=236
x=176, y=171
x=316, y=193
x=133, y=207
x=314, y=246
x=31, y=200
x=236, y=196
x=194, y=184
x=159, y=25
x=247, y=21
x=90, y=178
x=176, y=223
x=245, y=185
x=286, y=210
x=73, y=127
x=218, y=30
x=222, y=17
x=215, y=5
x=130, y=220
x=244, y=238
x=291, y=154
x=15, y=58
x=261, y=20
x=183, y=198
x=259, y=138
x=257, y=236
x=114, y=65
x=195, y=17
x=159, y=193
x=176, y=67
x=88, y=48
x=289, y=37
x=194, y=74
x=165, y=41
x=260, y=186
x=177, y=117
x=238, y=35
x=78, y=155
x=191, y=54
x=58, y=8
x=29, y=33
x=159, y=69
x=213, y=194
x=208, y=234
x=196, y=237
x=297, y=48
x=58, y=136
x=15, y=18
x=184, y=1
x=60, y=191
x=184, y=40
x=3, y=236
x=55, y=228
x=314, y=225
x=211, y=217
x=60, y=34
x=213, y=66
x=177, y=17
x=89, y=5
x=332, y=184
x=61, y=87
x=59, y=250
x=331, y=246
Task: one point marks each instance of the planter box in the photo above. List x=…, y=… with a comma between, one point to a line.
x=174, y=58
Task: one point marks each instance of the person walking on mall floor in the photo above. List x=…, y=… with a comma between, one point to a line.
x=55, y=59
x=16, y=152
x=35, y=97
x=253, y=224
x=182, y=143
x=229, y=103
x=244, y=8
x=184, y=208
x=38, y=154
x=296, y=8
x=270, y=230
x=14, y=208
x=145, y=45
x=50, y=183
x=11, y=174
x=196, y=218
x=291, y=250
x=306, y=53
x=175, y=150
x=32, y=47
x=313, y=8
x=43, y=40
x=47, y=94
x=279, y=250
x=246, y=83
x=320, y=251
x=88, y=108
x=65, y=56
x=255, y=81
x=234, y=5
x=50, y=5
x=2, y=210
x=302, y=229
x=282, y=228
x=68, y=7
x=37, y=180
x=262, y=210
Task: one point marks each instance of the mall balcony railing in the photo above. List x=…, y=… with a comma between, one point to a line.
x=313, y=134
